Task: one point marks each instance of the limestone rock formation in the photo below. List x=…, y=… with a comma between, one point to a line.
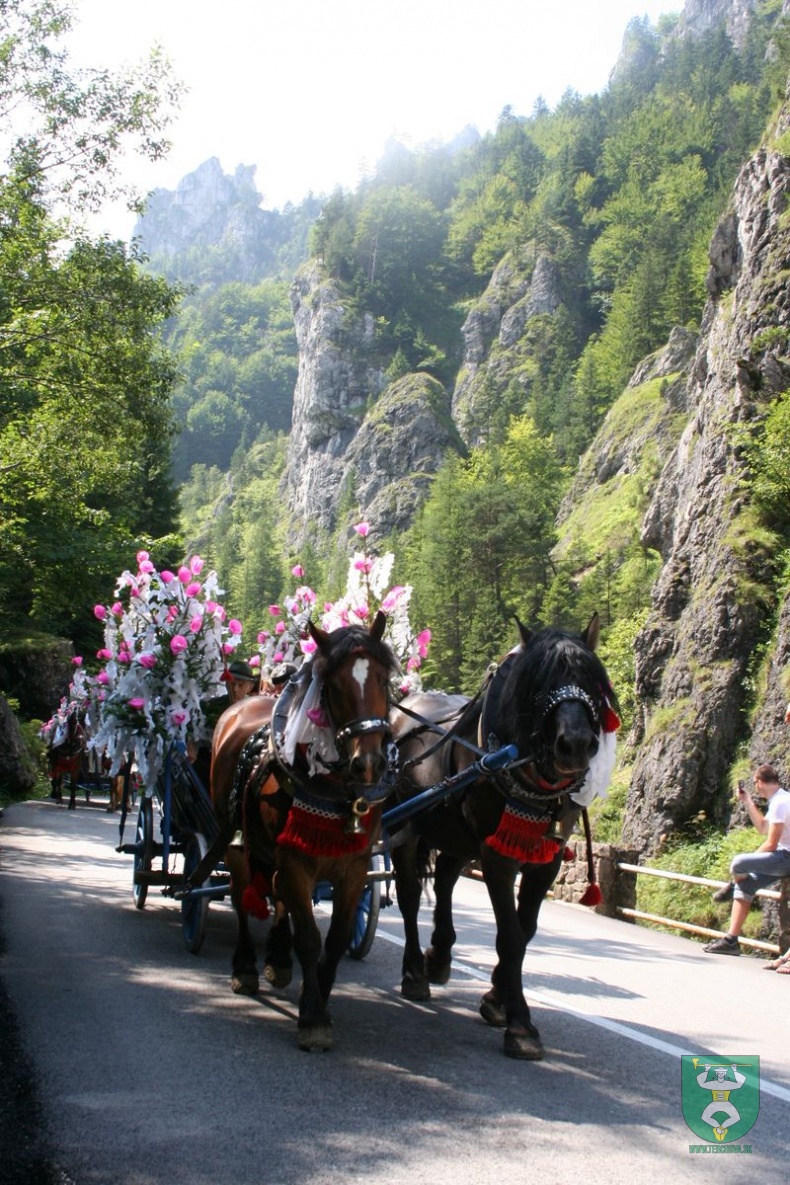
x=522, y=286
x=695, y=656
x=351, y=437
x=215, y=218
x=17, y=777
x=700, y=16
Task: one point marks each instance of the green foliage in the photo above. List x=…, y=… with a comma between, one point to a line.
x=238, y=350
x=240, y=536
x=85, y=421
x=607, y=814
x=707, y=854
x=480, y=551
x=766, y=446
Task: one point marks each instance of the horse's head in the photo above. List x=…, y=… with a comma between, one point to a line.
x=556, y=696
x=356, y=666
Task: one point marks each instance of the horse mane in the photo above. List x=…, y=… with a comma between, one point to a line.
x=552, y=658
x=345, y=641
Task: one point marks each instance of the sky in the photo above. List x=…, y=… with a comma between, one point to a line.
x=309, y=91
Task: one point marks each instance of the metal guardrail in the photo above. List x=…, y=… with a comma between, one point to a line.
x=656, y=919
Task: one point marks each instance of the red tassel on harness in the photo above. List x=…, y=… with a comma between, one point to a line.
x=254, y=899
x=316, y=834
x=523, y=839
x=592, y=894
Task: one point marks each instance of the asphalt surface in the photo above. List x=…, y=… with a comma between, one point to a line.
x=126, y=1060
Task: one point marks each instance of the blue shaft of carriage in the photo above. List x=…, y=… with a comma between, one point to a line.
x=490, y=763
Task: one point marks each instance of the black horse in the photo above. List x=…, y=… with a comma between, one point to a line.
x=552, y=699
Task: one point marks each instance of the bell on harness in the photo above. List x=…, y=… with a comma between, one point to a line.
x=360, y=807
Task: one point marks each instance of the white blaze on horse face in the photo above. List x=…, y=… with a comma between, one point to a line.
x=360, y=672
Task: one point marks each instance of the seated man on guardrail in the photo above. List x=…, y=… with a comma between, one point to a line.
x=751, y=871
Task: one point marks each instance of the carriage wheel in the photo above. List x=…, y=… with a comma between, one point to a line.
x=144, y=849
x=367, y=913
x=195, y=910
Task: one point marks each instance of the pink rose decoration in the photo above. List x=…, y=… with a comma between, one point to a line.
x=167, y=576
x=297, y=570
x=195, y=624
x=392, y=598
x=280, y=627
x=227, y=647
x=196, y=565
x=137, y=702
x=146, y=568
x=178, y=718
x=178, y=643
x=275, y=610
x=363, y=565
x=77, y=660
x=148, y=661
x=100, y=612
x=263, y=637
x=117, y=609
x=234, y=626
x=184, y=575
x=102, y=677
x=308, y=647
x=142, y=556
x=193, y=588
x=362, y=529
x=254, y=660
x=104, y=654
x=423, y=641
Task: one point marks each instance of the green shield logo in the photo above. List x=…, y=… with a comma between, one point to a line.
x=720, y=1096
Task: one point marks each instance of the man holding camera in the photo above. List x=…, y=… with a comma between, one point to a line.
x=751, y=871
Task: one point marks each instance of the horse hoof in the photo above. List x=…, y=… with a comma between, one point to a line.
x=415, y=987
x=278, y=977
x=244, y=983
x=492, y=1012
x=315, y=1038
x=525, y=1046
x=437, y=970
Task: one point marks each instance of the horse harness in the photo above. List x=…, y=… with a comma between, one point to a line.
x=262, y=758
x=521, y=784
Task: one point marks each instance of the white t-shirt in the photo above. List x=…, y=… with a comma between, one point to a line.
x=779, y=812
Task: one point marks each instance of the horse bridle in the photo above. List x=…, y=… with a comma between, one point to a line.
x=547, y=703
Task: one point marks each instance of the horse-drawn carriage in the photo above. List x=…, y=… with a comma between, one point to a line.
x=318, y=788
x=175, y=850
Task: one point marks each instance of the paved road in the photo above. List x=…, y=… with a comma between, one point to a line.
x=132, y=1063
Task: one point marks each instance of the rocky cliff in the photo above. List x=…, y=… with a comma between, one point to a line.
x=706, y=696
x=212, y=228
x=356, y=440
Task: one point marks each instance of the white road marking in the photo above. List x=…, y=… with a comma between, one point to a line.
x=613, y=1026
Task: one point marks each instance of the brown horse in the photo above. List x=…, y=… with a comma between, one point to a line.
x=64, y=756
x=300, y=781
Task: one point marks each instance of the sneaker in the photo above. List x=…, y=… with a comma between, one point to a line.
x=726, y=893
x=723, y=946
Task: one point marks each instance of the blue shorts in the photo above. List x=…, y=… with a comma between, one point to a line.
x=763, y=869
